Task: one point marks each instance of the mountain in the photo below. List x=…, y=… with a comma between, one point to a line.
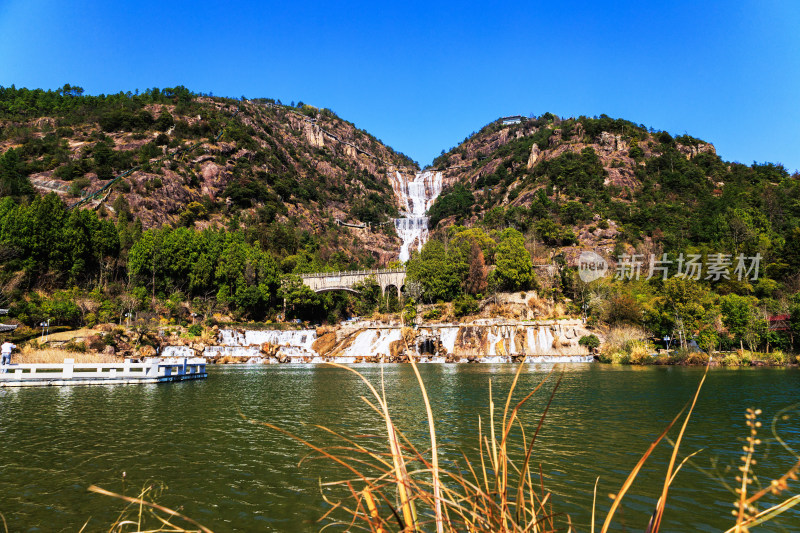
x=150, y=180
x=283, y=172
x=613, y=186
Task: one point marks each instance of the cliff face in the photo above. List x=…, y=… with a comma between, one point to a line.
x=494, y=146
x=301, y=167
x=308, y=171
x=546, y=160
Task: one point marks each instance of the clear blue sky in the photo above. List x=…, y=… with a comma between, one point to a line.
x=423, y=75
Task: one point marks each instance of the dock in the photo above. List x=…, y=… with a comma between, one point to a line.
x=127, y=373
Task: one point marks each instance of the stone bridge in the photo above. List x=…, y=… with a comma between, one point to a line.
x=344, y=281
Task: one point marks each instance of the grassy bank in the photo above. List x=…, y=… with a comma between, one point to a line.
x=632, y=346
x=642, y=354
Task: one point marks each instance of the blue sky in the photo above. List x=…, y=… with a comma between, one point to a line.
x=421, y=76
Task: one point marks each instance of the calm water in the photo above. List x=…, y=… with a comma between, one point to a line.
x=234, y=476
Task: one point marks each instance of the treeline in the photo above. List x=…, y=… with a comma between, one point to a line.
x=75, y=267
x=70, y=102
x=470, y=266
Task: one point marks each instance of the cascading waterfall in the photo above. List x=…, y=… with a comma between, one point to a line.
x=550, y=342
x=416, y=197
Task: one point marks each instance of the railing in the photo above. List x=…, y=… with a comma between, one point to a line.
x=155, y=370
x=353, y=273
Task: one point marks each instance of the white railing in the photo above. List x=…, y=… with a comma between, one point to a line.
x=70, y=371
x=353, y=273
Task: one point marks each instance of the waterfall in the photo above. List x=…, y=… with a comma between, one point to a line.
x=415, y=198
x=545, y=342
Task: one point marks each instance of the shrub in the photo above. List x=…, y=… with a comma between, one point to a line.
x=590, y=341
x=639, y=352
x=620, y=358
x=410, y=313
x=465, y=305
x=195, y=330
x=78, y=185
x=72, y=346
x=432, y=314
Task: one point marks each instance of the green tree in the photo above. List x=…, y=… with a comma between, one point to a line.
x=435, y=272
x=743, y=322
x=13, y=181
x=301, y=301
x=369, y=297
x=514, y=269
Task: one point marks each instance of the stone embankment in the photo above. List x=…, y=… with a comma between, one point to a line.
x=486, y=340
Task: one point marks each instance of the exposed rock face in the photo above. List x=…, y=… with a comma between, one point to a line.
x=610, y=142
x=147, y=351
x=534, y=157
x=693, y=150
x=314, y=135
x=324, y=344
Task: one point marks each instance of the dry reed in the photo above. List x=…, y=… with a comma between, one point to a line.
x=619, y=337
x=405, y=489
x=57, y=356
x=141, y=511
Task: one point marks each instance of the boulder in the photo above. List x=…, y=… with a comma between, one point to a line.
x=269, y=349
x=397, y=348
x=147, y=351
x=324, y=330
x=325, y=343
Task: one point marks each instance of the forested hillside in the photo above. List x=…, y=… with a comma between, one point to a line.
x=170, y=203
x=227, y=195
x=636, y=194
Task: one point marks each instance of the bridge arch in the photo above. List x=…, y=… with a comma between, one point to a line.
x=344, y=281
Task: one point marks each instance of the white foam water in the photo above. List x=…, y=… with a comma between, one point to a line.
x=415, y=197
x=372, y=342
x=177, y=351
x=448, y=336
x=552, y=359
x=232, y=351
x=504, y=343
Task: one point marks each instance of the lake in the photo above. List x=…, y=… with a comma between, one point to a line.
x=231, y=475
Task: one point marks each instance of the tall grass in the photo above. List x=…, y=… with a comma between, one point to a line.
x=626, y=345
x=57, y=355
x=405, y=489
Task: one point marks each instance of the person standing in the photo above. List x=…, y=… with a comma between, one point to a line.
x=5, y=351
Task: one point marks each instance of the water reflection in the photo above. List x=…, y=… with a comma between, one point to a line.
x=237, y=476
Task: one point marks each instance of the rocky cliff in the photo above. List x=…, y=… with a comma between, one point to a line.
x=540, y=167
x=300, y=167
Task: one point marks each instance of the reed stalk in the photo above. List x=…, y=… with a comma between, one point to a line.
x=406, y=490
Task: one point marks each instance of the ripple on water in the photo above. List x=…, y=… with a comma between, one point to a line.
x=237, y=476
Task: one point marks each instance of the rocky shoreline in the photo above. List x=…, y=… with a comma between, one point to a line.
x=487, y=340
